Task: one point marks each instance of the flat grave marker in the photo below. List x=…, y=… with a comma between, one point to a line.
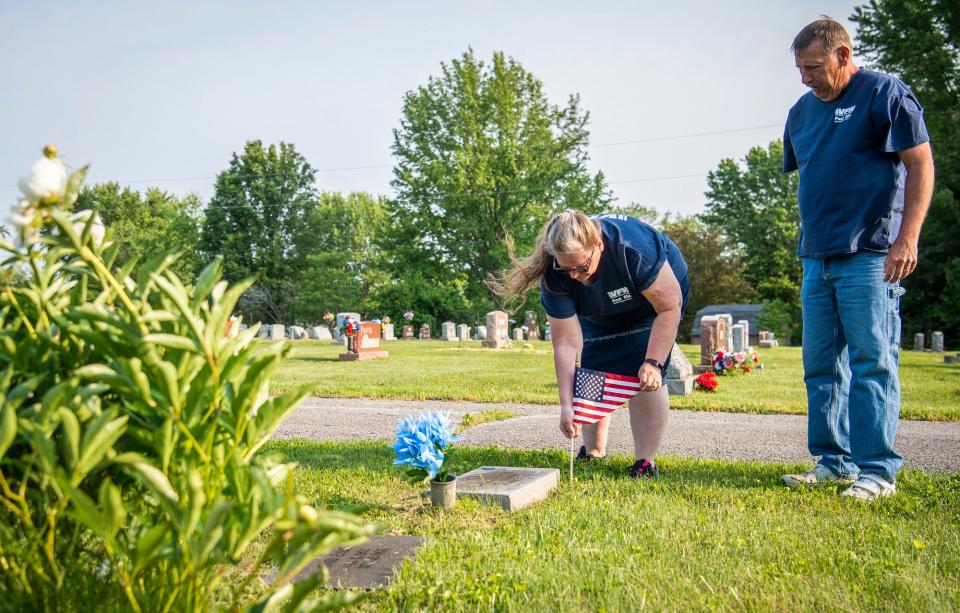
x=366, y=566
x=511, y=487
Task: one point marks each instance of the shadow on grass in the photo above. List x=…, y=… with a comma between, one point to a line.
x=378, y=457
x=317, y=358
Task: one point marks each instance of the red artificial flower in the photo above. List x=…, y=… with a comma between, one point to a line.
x=746, y=368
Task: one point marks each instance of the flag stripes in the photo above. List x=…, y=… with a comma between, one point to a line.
x=597, y=394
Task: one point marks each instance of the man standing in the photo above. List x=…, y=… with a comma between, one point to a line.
x=866, y=179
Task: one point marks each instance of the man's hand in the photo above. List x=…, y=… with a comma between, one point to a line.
x=650, y=378
x=567, y=427
x=901, y=260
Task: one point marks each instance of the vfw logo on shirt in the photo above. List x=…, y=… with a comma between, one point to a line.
x=618, y=296
x=841, y=115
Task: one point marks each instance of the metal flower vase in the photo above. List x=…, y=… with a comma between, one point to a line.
x=443, y=494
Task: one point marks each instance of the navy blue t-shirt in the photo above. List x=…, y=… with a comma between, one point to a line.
x=851, y=179
x=633, y=254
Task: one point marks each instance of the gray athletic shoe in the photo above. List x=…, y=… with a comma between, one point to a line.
x=869, y=487
x=818, y=475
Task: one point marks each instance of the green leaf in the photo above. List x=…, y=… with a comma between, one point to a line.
x=72, y=189
x=82, y=507
x=97, y=440
x=172, y=341
x=271, y=413
x=70, y=441
x=155, y=480
x=148, y=544
x=114, y=512
x=207, y=278
x=8, y=428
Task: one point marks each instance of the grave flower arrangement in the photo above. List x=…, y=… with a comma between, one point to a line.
x=408, y=315
x=350, y=326
x=420, y=445
x=707, y=382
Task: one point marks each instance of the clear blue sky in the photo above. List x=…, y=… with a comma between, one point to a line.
x=161, y=93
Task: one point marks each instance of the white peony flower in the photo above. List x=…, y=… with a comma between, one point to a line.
x=23, y=214
x=97, y=231
x=46, y=181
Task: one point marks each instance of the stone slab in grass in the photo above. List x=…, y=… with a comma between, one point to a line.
x=366, y=566
x=511, y=487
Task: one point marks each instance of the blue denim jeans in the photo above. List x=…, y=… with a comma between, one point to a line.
x=851, y=353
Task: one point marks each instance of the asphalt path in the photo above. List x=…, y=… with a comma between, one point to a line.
x=931, y=446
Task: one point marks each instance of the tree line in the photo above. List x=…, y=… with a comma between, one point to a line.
x=483, y=159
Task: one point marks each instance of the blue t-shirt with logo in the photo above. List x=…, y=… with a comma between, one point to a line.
x=851, y=178
x=633, y=254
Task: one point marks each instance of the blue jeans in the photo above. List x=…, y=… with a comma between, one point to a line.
x=851, y=353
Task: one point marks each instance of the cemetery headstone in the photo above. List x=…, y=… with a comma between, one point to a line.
x=918, y=341
x=480, y=333
x=518, y=334
x=277, y=332
x=510, y=487
x=679, y=375
x=366, y=566
x=463, y=332
x=296, y=333
x=424, y=332
x=746, y=333
x=320, y=333
x=726, y=330
x=408, y=333
x=762, y=335
x=388, y=334
x=448, y=331
x=546, y=332
x=709, y=342
x=936, y=342
x=264, y=332
x=530, y=321
x=497, y=330
x=364, y=344
x=739, y=338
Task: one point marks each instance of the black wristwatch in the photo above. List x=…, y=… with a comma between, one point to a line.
x=656, y=364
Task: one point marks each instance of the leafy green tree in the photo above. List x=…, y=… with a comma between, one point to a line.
x=256, y=221
x=147, y=224
x=754, y=205
x=919, y=40
x=716, y=275
x=343, y=256
x=483, y=159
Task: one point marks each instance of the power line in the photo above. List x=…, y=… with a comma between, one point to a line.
x=597, y=146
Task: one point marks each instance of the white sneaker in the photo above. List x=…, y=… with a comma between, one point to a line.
x=818, y=475
x=870, y=487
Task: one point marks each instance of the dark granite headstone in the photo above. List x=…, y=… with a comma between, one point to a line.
x=365, y=566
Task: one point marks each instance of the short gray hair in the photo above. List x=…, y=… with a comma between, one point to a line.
x=830, y=33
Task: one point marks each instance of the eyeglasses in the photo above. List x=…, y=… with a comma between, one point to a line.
x=577, y=269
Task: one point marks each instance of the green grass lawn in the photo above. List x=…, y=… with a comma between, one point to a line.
x=707, y=535
x=463, y=371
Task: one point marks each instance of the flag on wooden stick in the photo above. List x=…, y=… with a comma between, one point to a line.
x=596, y=394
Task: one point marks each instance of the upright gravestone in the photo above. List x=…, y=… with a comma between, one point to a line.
x=530, y=321
x=746, y=333
x=388, y=332
x=321, y=333
x=264, y=332
x=463, y=332
x=277, y=332
x=726, y=330
x=762, y=335
x=407, y=334
x=448, y=331
x=709, y=342
x=918, y=341
x=480, y=333
x=936, y=342
x=679, y=375
x=497, y=330
x=364, y=344
x=546, y=332
x=424, y=332
x=739, y=338
x=296, y=333
x=518, y=334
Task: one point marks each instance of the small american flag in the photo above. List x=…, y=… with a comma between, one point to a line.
x=596, y=394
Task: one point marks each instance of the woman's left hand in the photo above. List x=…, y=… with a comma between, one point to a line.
x=650, y=378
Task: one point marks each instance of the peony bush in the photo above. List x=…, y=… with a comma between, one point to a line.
x=130, y=427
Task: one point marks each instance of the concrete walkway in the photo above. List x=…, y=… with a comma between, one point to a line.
x=932, y=446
